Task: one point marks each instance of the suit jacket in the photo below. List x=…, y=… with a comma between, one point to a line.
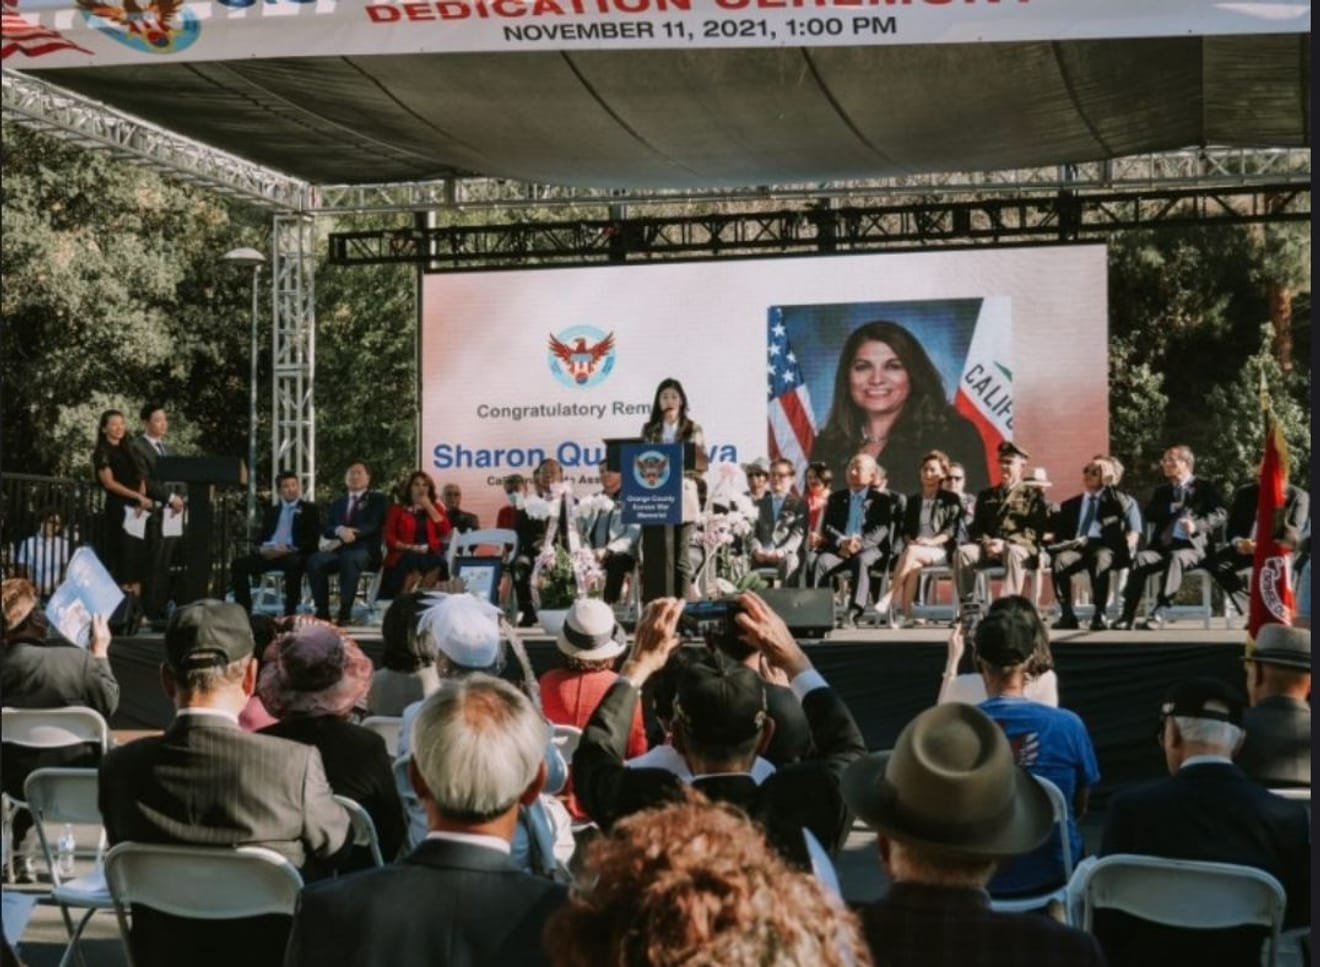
x=797, y=795
x=1116, y=514
x=948, y=514
x=156, y=489
x=53, y=674
x=882, y=514
x=1016, y=515
x=461, y=520
x=1201, y=501
x=1206, y=811
x=531, y=530
x=205, y=782
x=450, y=903
x=620, y=538
x=1277, y=749
x=369, y=519
x=783, y=533
x=1242, y=514
x=306, y=526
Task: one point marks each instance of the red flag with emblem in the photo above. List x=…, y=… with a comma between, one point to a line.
x=1271, y=581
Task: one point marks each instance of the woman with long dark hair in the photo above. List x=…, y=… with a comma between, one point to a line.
x=670, y=423
x=415, y=527
x=929, y=530
x=122, y=474
x=889, y=403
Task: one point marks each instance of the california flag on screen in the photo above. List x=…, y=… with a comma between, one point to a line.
x=985, y=392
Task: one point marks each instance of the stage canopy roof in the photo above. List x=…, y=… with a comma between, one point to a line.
x=826, y=91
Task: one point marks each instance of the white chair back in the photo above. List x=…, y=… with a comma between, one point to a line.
x=1190, y=894
x=466, y=543
x=363, y=828
x=1298, y=794
x=387, y=727
x=1059, y=806
x=566, y=739
x=53, y=728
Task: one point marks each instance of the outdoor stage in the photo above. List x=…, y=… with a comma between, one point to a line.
x=1113, y=680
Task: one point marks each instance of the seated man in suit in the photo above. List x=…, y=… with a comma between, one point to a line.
x=861, y=524
x=781, y=525
x=451, y=495
x=1183, y=515
x=1230, y=565
x=548, y=479
x=613, y=541
x=206, y=782
x=1006, y=527
x=457, y=898
x=948, y=804
x=289, y=532
x=1277, y=749
x=721, y=722
x=1096, y=532
x=351, y=543
x=1207, y=809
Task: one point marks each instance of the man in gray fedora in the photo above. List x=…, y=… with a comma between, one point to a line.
x=948, y=803
x=1277, y=749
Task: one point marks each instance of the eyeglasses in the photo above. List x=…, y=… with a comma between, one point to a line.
x=955, y=479
x=785, y=476
x=1090, y=471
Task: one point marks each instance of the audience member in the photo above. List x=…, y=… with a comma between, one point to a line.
x=255, y=716
x=948, y=804
x=459, y=519
x=45, y=554
x=1230, y=565
x=457, y=898
x=1207, y=809
x=929, y=532
x=122, y=473
x=613, y=541
x=1096, y=532
x=861, y=525
x=1276, y=750
x=288, y=536
x=150, y=445
x=408, y=672
x=314, y=680
x=415, y=529
x=590, y=640
x=1183, y=515
x=1046, y=741
x=1005, y=530
x=695, y=883
x=721, y=722
x=205, y=782
x=1042, y=684
x=350, y=543
x=781, y=525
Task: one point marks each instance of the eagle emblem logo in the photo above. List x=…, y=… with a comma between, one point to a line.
x=651, y=469
x=154, y=27
x=581, y=356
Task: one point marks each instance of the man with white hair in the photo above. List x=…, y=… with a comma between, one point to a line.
x=1207, y=809
x=458, y=898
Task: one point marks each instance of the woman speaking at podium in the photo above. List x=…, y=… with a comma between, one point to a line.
x=665, y=547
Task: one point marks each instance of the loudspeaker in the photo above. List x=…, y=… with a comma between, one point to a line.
x=808, y=612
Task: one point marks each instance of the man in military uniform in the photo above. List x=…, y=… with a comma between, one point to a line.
x=1006, y=527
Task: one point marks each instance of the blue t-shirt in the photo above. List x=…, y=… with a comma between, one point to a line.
x=1053, y=743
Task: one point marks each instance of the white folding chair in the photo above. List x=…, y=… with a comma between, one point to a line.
x=928, y=581
x=467, y=544
x=1025, y=903
x=1189, y=894
x=566, y=739
x=199, y=883
x=363, y=828
x=69, y=796
x=387, y=727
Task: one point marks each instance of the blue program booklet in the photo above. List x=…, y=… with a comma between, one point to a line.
x=88, y=589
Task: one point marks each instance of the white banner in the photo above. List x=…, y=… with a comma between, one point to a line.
x=56, y=33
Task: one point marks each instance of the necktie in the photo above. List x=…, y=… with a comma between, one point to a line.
x=352, y=506
x=160, y=447
x=1088, y=516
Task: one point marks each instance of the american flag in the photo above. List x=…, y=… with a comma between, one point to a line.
x=792, y=426
x=29, y=39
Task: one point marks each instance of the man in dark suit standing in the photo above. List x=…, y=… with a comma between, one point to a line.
x=1230, y=565
x=1183, y=515
x=860, y=525
x=150, y=445
x=350, y=543
x=289, y=532
x=781, y=525
x=1096, y=532
x=1207, y=809
x=206, y=782
x=456, y=899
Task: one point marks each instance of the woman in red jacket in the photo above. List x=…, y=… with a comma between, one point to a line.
x=414, y=530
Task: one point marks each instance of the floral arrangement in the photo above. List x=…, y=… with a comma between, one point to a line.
x=718, y=532
x=561, y=577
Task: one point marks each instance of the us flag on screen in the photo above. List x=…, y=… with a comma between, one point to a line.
x=792, y=426
x=29, y=39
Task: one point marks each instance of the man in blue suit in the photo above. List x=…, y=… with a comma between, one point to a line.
x=350, y=543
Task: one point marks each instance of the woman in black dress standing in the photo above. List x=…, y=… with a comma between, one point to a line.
x=121, y=473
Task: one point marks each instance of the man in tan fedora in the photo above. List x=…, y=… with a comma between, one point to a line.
x=948, y=804
x=1277, y=749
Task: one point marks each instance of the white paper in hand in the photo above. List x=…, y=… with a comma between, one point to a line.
x=88, y=589
x=171, y=525
x=135, y=524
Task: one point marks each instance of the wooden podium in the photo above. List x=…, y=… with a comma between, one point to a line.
x=202, y=475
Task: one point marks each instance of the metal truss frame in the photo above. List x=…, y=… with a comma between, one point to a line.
x=820, y=228
x=293, y=349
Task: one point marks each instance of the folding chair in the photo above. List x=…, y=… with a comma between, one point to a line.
x=363, y=828
x=467, y=543
x=69, y=796
x=1190, y=894
x=387, y=727
x=1023, y=904
x=199, y=882
x=927, y=591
